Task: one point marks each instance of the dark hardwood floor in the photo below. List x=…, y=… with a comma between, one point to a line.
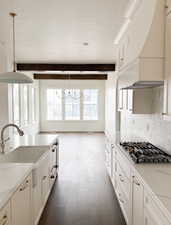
x=83, y=193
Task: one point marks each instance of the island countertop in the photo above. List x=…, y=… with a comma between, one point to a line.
x=32, y=140
x=11, y=176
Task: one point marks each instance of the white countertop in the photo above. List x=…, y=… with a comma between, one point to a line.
x=32, y=140
x=157, y=179
x=11, y=176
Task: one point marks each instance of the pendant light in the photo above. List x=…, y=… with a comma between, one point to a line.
x=71, y=93
x=14, y=76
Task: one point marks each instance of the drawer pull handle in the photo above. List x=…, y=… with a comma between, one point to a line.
x=122, y=180
x=25, y=186
x=121, y=200
x=44, y=178
x=4, y=220
x=138, y=184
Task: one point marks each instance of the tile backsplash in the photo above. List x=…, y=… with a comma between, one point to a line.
x=151, y=127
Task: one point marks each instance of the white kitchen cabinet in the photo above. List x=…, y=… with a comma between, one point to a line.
x=167, y=96
x=21, y=204
x=5, y=215
x=44, y=171
x=109, y=156
x=137, y=201
x=120, y=100
x=41, y=187
x=122, y=185
x=140, y=40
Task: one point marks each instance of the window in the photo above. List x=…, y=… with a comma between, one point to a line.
x=72, y=104
x=33, y=104
x=90, y=104
x=54, y=104
x=25, y=104
x=16, y=104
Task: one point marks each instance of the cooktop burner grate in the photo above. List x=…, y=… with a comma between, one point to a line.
x=145, y=152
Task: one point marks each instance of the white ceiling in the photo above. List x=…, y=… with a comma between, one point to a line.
x=55, y=30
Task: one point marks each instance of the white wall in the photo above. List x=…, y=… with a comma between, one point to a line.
x=150, y=128
x=72, y=125
x=111, y=114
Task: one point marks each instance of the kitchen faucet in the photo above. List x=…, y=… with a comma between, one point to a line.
x=2, y=144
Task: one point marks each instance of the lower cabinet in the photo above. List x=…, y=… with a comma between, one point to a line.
x=5, y=215
x=21, y=204
x=41, y=187
x=137, y=201
x=138, y=205
x=122, y=187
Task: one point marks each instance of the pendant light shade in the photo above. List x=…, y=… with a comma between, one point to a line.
x=14, y=77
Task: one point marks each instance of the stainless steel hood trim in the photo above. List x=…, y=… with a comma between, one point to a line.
x=144, y=85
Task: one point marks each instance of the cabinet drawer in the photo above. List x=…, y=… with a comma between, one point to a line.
x=21, y=204
x=153, y=212
x=124, y=203
x=124, y=163
x=5, y=215
x=123, y=181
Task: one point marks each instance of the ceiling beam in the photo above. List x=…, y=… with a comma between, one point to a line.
x=70, y=76
x=65, y=67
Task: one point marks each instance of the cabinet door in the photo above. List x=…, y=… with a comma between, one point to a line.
x=130, y=100
x=120, y=100
x=137, y=201
x=168, y=64
x=21, y=204
x=45, y=188
x=44, y=170
x=5, y=215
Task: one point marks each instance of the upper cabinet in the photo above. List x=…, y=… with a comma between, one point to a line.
x=140, y=48
x=140, y=39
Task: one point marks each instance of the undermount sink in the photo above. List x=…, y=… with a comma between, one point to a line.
x=24, y=155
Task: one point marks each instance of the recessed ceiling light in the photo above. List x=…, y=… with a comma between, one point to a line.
x=85, y=43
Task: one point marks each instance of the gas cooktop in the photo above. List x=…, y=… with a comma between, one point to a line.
x=145, y=152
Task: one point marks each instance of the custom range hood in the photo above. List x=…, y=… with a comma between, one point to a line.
x=144, y=48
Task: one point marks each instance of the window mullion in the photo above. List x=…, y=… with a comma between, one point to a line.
x=63, y=104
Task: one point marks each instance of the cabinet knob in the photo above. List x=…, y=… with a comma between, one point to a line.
x=4, y=220
x=44, y=177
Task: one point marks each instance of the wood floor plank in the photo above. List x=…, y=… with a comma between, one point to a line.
x=83, y=193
